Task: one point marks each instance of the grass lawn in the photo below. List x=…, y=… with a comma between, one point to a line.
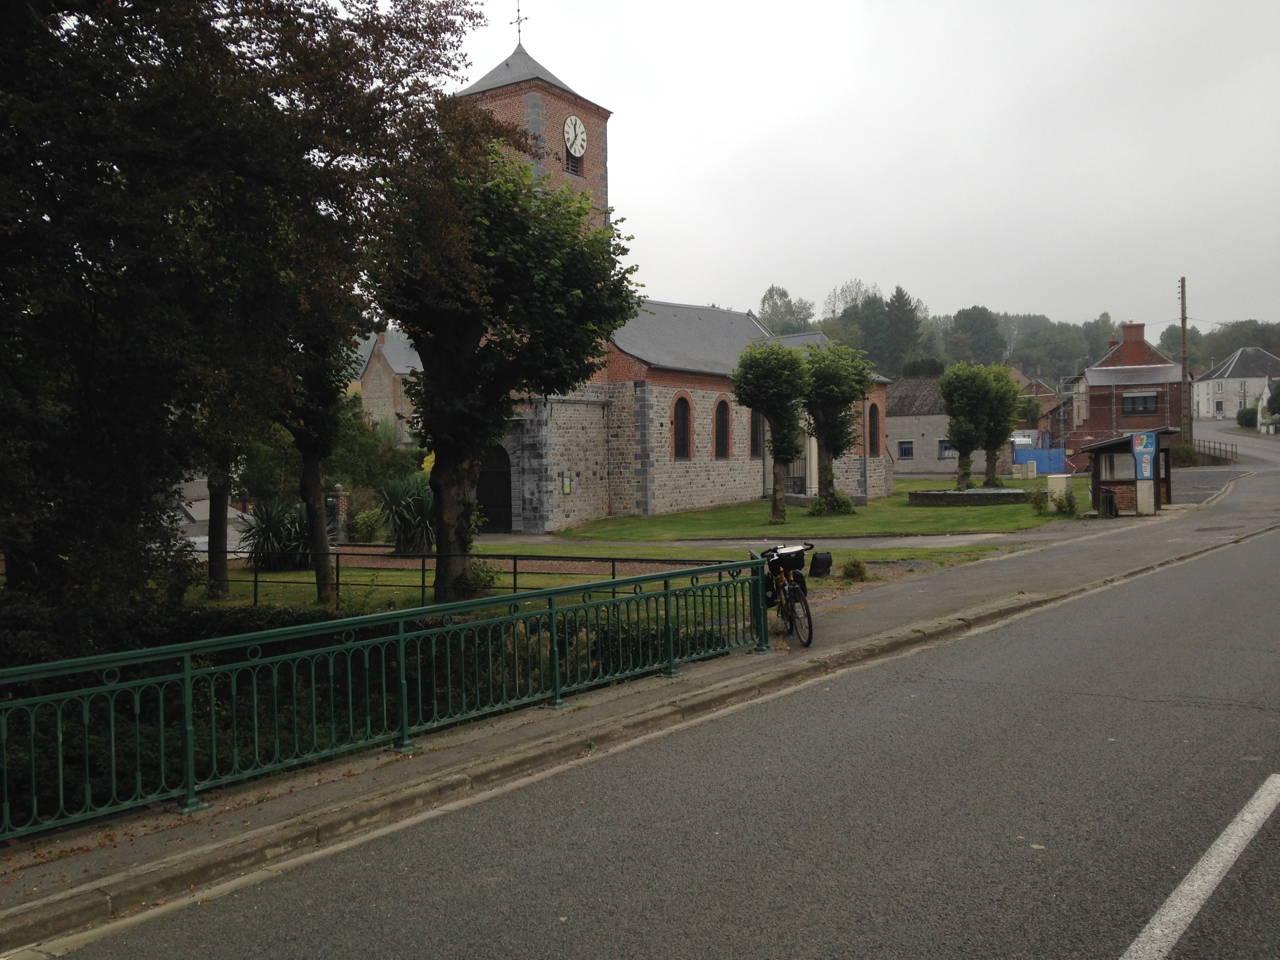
x=887, y=517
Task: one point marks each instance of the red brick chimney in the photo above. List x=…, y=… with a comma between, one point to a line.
x=1133, y=332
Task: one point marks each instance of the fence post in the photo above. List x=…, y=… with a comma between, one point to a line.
x=404, y=744
x=556, y=700
x=668, y=631
x=515, y=573
x=189, y=803
x=337, y=580
x=759, y=612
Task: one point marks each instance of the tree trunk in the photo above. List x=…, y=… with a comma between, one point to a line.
x=777, y=499
x=964, y=467
x=312, y=490
x=826, y=473
x=989, y=478
x=453, y=489
x=219, y=501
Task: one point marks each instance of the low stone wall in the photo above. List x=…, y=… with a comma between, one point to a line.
x=977, y=497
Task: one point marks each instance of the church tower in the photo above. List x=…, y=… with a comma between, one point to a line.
x=571, y=129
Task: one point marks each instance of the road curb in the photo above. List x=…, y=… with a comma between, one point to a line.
x=140, y=888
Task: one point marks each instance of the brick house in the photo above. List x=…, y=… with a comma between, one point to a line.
x=656, y=429
x=1133, y=387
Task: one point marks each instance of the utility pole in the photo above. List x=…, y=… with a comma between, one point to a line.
x=1188, y=435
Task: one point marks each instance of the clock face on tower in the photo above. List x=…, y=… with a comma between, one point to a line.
x=575, y=136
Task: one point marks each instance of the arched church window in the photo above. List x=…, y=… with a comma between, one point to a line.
x=680, y=429
x=757, y=434
x=722, y=430
x=873, y=431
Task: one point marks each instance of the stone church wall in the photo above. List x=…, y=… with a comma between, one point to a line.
x=848, y=476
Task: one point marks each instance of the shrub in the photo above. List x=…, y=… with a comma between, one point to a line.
x=480, y=578
x=1066, y=504
x=1247, y=418
x=833, y=504
x=1183, y=455
x=276, y=535
x=406, y=509
x=1040, y=501
x=854, y=569
x=366, y=526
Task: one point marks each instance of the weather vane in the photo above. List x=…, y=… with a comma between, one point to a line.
x=518, y=22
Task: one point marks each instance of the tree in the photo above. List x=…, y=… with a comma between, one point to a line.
x=923, y=367
x=1000, y=417
x=902, y=331
x=975, y=337
x=1273, y=399
x=1097, y=334
x=506, y=289
x=844, y=296
x=1220, y=343
x=839, y=376
x=1028, y=410
x=783, y=315
x=1170, y=344
x=772, y=380
x=965, y=391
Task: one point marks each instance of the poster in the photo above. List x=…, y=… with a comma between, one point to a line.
x=1144, y=456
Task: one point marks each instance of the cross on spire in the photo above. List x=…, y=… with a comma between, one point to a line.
x=518, y=23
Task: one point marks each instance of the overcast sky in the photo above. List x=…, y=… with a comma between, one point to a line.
x=1033, y=157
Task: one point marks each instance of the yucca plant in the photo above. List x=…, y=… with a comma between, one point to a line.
x=276, y=535
x=406, y=508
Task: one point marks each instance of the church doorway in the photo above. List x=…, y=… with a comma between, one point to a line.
x=493, y=493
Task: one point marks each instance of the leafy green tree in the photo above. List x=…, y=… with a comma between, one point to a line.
x=1221, y=342
x=1097, y=334
x=1170, y=344
x=923, y=367
x=1028, y=409
x=839, y=377
x=975, y=336
x=783, y=315
x=965, y=391
x=1273, y=399
x=506, y=289
x=1001, y=415
x=773, y=380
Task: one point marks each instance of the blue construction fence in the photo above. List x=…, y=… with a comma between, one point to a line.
x=1052, y=460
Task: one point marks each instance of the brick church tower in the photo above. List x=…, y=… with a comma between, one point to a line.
x=571, y=129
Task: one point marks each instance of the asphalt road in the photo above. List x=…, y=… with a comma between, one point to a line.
x=1037, y=790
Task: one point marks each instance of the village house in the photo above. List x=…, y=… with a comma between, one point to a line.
x=656, y=429
x=917, y=428
x=1235, y=384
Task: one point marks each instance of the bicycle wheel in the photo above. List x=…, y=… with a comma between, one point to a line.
x=801, y=621
x=785, y=613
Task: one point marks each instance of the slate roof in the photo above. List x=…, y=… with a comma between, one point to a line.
x=1246, y=363
x=1134, y=375
x=679, y=336
x=915, y=397
x=516, y=68
x=397, y=350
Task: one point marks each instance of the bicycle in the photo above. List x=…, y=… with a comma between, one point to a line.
x=786, y=589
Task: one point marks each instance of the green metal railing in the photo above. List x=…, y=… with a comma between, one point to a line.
x=85, y=738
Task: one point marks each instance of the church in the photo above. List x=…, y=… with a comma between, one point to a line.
x=656, y=429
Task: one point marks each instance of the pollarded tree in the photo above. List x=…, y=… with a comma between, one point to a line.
x=507, y=289
x=965, y=389
x=839, y=377
x=1002, y=413
x=773, y=380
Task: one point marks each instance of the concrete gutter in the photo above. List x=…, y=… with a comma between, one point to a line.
x=138, y=889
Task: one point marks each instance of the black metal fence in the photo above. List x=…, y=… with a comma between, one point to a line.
x=374, y=575
x=1216, y=452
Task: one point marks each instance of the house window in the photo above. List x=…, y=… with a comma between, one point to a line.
x=945, y=450
x=1133, y=404
x=906, y=449
x=873, y=430
x=680, y=428
x=572, y=164
x=1217, y=386
x=757, y=434
x=721, y=430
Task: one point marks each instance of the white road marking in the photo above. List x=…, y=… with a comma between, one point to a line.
x=1171, y=921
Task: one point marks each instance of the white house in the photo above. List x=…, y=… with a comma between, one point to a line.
x=1235, y=383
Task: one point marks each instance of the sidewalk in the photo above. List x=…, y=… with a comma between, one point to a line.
x=83, y=876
